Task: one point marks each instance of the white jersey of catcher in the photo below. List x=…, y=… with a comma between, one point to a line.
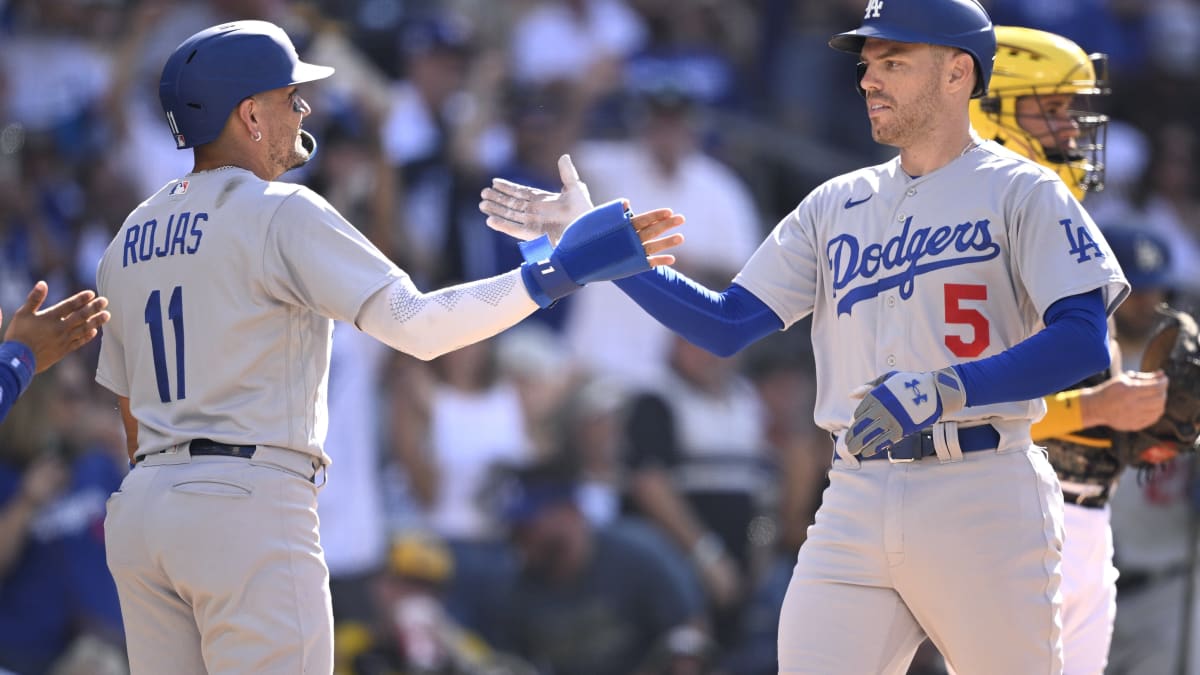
x=914, y=274
x=223, y=288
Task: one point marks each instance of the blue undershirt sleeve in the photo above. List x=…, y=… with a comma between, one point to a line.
x=1072, y=346
x=16, y=370
x=723, y=323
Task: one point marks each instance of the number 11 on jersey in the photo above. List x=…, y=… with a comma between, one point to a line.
x=155, y=322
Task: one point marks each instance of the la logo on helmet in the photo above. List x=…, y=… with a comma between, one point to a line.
x=873, y=8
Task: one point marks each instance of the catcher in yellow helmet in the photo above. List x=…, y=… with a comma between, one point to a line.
x=1039, y=104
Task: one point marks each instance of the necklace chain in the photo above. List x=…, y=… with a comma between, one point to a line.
x=219, y=168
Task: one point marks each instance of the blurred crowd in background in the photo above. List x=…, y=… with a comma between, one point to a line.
x=584, y=494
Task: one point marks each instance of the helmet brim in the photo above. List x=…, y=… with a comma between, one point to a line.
x=852, y=41
x=308, y=72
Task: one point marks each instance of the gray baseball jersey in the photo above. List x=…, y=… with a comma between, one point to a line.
x=223, y=288
x=914, y=274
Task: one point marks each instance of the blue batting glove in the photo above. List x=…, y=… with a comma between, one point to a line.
x=898, y=405
x=600, y=245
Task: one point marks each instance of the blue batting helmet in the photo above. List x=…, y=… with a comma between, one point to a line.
x=963, y=24
x=211, y=72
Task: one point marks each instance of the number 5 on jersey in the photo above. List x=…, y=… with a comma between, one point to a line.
x=155, y=322
x=958, y=314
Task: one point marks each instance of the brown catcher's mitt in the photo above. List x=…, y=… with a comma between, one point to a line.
x=1174, y=348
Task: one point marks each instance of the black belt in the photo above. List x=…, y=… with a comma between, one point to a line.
x=204, y=446
x=917, y=446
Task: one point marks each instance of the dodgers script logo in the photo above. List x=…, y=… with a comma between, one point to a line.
x=903, y=258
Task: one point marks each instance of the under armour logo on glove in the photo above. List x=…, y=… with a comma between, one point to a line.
x=919, y=398
x=897, y=405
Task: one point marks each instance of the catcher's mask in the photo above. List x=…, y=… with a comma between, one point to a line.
x=207, y=75
x=1037, y=64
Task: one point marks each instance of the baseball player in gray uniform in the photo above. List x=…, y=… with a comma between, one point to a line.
x=951, y=288
x=224, y=286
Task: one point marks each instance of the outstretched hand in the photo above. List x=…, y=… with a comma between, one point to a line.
x=527, y=213
x=650, y=225
x=56, y=331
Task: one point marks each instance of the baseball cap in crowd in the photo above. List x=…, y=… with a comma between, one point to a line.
x=525, y=492
x=1143, y=256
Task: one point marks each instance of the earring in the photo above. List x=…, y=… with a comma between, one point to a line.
x=257, y=136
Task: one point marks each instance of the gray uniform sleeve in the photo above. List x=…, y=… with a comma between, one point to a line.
x=314, y=258
x=1058, y=251
x=783, y=272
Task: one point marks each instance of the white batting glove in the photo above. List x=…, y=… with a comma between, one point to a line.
x=898, y=405
x=527, y=213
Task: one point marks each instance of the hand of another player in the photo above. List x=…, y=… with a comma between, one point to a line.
x=527, y=213
x=651, y=226
x=897, y=405
x=1128, y=401
x=56, y=331
x=605, y=243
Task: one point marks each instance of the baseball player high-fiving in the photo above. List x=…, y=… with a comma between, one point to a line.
x=950, y=289
x=223, y=288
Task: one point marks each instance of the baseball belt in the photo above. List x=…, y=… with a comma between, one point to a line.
x=204, y=446
x=917, y=446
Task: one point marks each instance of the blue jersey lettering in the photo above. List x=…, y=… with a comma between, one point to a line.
x=904, y=252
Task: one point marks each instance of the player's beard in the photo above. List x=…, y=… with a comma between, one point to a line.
x=288, y=157
x=298, y=155
x=911, y=121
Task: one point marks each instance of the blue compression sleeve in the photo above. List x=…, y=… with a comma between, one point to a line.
x=1072, y=346
x=16, y=370
x=723, y=323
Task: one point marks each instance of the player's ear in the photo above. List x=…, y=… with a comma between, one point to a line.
x=960, y=71
x=246, y=113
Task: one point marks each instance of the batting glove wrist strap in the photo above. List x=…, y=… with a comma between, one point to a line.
x=600, y=245
x=901, y=404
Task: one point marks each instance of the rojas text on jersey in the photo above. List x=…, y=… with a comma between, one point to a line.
x=180, y=235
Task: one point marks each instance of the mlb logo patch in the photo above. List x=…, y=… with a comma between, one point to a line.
x=180, y=188
x=179, y=141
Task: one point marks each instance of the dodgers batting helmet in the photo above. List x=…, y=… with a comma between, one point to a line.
x=962, y=24
x=211, y=72
x=1035, y=63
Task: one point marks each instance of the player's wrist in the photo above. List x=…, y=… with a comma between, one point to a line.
x=951, y=392
x=600, y=245
x=547, y=281
x=20, y=359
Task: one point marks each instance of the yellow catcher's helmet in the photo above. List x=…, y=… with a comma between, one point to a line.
x=1036, y=63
